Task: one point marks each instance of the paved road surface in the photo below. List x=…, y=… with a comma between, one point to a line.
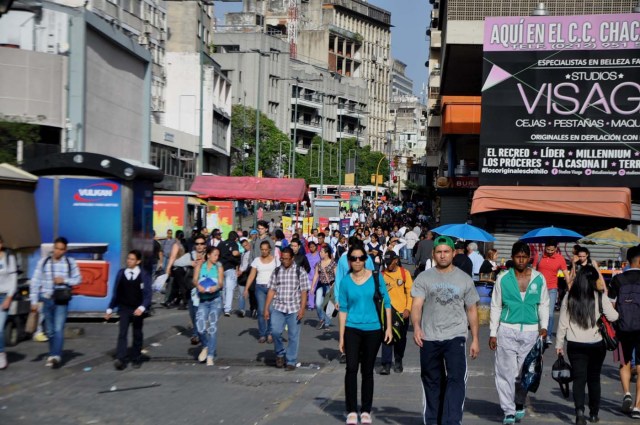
x=243, y=387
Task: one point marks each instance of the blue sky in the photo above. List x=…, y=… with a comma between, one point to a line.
x=410, y=19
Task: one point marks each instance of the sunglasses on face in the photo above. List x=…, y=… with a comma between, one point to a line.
x=200, y=243
x=362, y=258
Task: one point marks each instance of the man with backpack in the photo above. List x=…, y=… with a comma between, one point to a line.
x=625, y=290
x=399, y=283
x=51, y=284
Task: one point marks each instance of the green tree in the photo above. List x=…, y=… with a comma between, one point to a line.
x=10, y=133
x=243, y=130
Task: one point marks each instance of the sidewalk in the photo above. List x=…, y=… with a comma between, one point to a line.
x=243, y=387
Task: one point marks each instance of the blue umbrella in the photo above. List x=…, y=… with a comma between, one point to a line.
x=464, y=231
x=557, y=233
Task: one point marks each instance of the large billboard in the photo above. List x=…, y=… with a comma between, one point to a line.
x=561, y=101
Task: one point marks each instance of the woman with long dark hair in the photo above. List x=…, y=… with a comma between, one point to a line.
x=208, y=278
x=323, y=278
x=583, y=258
x=360, y=332
x=578, y=323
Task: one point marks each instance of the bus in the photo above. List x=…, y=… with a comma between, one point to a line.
x=345, y=192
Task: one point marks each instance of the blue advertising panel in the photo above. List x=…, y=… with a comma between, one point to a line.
x=89, y=215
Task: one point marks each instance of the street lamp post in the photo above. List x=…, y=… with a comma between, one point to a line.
x=322, y=145
x=259, y=98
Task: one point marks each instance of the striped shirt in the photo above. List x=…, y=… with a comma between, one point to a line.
x=288, y=284
x=42, y=281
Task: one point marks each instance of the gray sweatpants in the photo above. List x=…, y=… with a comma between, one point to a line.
x=513, y=347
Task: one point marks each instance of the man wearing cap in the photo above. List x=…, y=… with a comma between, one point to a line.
x=216, y=238
x=549, y=265
x=443, y=308
x=399, y=283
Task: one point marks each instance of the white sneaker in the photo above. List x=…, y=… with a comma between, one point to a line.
x=3, y=361
x=50, y=361
x=210, y=361
x=203, y=355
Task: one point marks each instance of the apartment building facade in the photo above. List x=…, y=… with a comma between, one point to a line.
x=83, y=78
x=303, y=98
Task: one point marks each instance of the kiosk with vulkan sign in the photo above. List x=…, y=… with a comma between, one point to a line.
x=104, y=207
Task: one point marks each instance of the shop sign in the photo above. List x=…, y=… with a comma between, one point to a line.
x=561, y=101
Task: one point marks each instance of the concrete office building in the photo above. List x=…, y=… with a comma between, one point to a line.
x=78, y=76
x=349, y=37
x=401, y=85
x=195, y=134
x=409, y=140
x=283, y=82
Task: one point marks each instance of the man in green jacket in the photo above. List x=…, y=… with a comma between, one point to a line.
x=519, y=313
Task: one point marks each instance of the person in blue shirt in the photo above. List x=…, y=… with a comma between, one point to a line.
x=360, y=331
x=344, y=268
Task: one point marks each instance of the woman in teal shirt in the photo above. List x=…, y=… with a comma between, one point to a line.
x=208, y=279
x=360, y=332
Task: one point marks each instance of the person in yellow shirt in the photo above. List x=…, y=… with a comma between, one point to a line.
x=399, y=282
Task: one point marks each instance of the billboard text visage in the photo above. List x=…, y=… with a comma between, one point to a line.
x=561, y=101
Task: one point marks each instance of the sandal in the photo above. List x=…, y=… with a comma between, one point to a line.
x=352, y=418
x=269, y=339
x=262, y=340
x=365, y=418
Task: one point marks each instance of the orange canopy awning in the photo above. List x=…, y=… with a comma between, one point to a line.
x=612, y=202
x=461, y=114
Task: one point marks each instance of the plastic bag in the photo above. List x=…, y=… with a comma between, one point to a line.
x=532, y=368
x=561, y=373
x=160, y=282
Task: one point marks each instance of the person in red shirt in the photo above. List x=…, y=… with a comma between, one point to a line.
x=549, y=265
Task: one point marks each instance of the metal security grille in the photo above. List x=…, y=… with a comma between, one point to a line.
x=477, y=10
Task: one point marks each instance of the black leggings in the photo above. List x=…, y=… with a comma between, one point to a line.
x=586, y=362
x=361, y=348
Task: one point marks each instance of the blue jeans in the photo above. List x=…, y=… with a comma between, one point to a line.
x=278, y=320
x=207, y=323
x=321, y=291
x=55, y=316
x=192, y=315
x=230, y=283
x=3, y=320
x=264, y=327
x=405, y=254
x=553, y=296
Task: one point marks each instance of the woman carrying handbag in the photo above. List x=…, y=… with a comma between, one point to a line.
x=360, y=332
x=585, y=347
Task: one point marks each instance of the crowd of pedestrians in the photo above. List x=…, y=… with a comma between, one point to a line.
x=356, y=277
